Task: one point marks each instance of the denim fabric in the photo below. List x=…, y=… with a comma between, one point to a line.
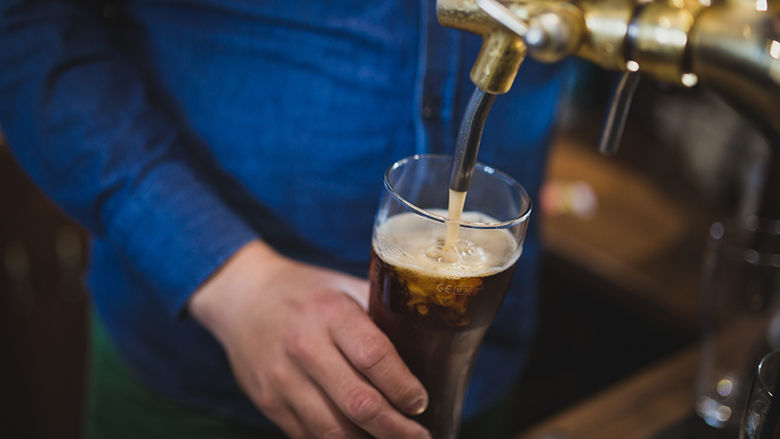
x=178, y=130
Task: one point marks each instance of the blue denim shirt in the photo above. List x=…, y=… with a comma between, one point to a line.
x=178, y=130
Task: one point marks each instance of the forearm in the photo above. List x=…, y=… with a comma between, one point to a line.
x=81, y=119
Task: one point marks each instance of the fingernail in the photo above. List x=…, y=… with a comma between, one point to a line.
x=419, y=406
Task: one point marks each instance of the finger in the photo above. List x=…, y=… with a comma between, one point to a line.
x=275, y=408
x=372, y=353
x=360, y=402
x=314, y=408
x=285, y=418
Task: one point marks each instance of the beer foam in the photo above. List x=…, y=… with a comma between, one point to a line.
x=410, y=241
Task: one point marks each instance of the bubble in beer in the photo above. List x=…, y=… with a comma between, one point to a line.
x=463, y=254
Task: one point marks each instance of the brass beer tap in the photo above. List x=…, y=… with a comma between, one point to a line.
x=730, y=46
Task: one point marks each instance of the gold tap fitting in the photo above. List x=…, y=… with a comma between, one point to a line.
x=732, y=46
x=502, y=50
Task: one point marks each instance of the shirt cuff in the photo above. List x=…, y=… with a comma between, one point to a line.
x=175, y=232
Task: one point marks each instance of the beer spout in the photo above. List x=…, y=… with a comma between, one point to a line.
x=617, y=113
x=730, y=46
x=469, y=138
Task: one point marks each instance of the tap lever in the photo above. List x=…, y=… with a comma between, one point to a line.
x=469, y=137
x=503, y=15
x=617, y=113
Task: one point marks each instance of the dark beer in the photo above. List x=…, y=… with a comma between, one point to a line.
x=436, y=311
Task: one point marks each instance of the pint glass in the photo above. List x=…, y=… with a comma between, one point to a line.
x=436, y=309
x=740, y=314
x=760, y=418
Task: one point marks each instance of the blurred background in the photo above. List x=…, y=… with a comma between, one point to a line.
x=624, y=241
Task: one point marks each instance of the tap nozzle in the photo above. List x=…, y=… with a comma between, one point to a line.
x=509, y=30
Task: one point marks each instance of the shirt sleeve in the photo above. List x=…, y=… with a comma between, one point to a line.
x=81, y=120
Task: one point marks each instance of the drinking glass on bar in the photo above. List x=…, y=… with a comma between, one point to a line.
x=740, y=305
x=436, y=303
x=760, y=418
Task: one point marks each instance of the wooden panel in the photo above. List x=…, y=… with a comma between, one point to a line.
x=43, y=312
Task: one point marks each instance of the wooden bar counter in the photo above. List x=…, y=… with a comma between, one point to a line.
x=637, y=408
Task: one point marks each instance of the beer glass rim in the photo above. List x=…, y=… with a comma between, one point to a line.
x=760, y=375
x=506, y=178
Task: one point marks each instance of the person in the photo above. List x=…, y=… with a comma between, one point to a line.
x=227, y=158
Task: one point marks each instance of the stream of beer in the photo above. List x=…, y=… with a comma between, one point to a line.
x=454, y=211
x=464, y=160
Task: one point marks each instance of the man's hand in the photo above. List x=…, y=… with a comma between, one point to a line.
x=304, y=350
